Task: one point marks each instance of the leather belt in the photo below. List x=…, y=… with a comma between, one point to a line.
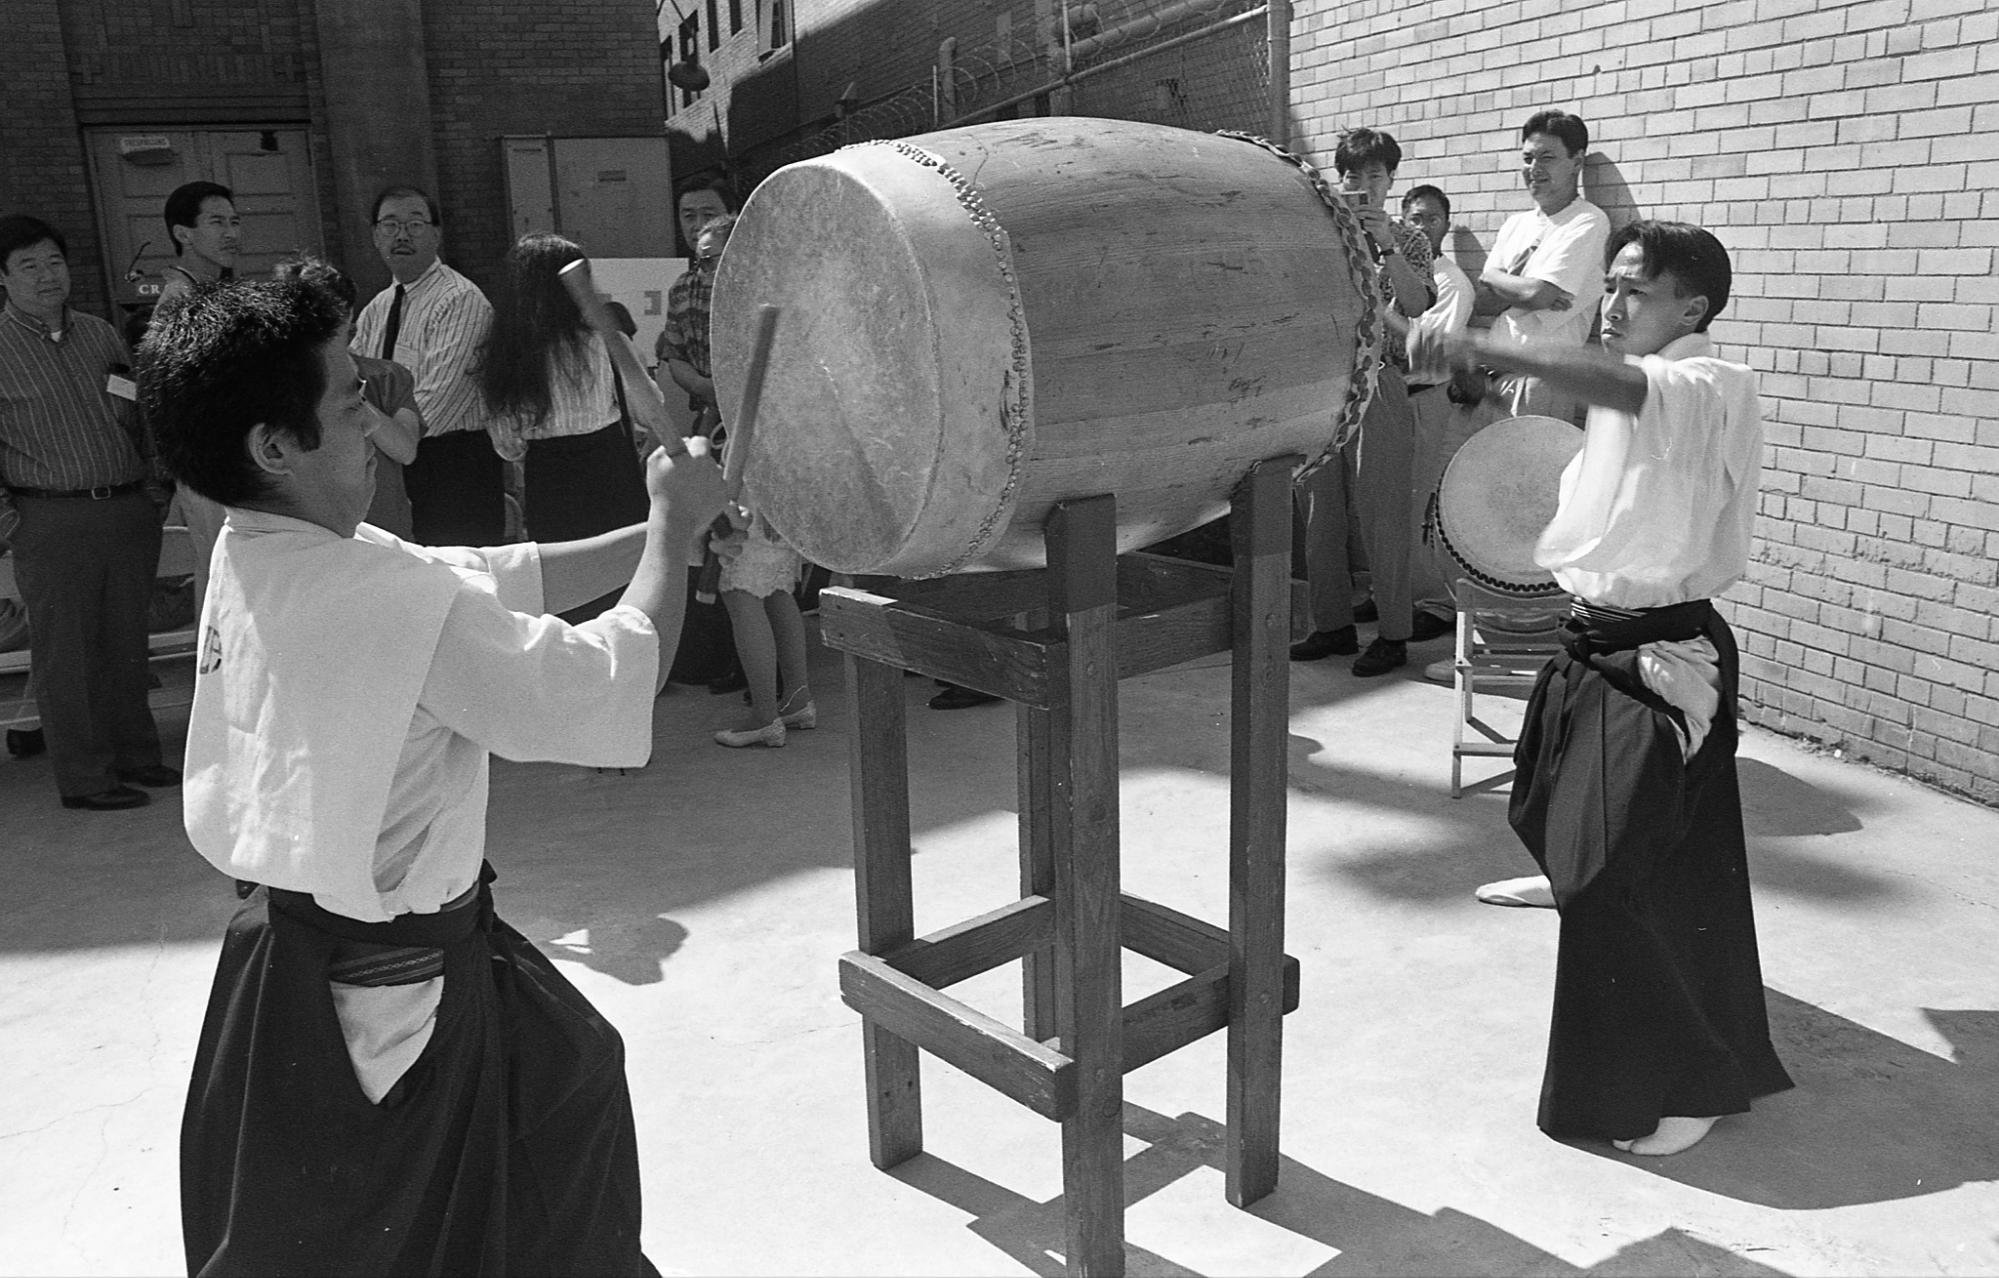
x=103, y=492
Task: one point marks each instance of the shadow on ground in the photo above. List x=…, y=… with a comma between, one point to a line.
x=1872, y=1119
x=1371, y=1234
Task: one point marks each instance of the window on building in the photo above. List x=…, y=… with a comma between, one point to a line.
x=774, y=23
x=735, y=16
x=714, y=27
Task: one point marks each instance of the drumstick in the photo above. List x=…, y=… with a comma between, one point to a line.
x=741, y=431
x=582, y=289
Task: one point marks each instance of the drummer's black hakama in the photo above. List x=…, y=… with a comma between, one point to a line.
x=1658, y=989
x=507, y=1148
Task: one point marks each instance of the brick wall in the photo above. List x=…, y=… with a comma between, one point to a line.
x=1848, y=156
x=42, y=164
x=579, y=68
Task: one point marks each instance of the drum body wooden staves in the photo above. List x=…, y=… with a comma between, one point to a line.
x=979, y=323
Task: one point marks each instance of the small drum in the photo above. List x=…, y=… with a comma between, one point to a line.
x=1497, y=495
x=980, y=323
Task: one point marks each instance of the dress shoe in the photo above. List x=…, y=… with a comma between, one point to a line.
x=1366, y=613
x=1425, y=626
x=1443, y=670
x=956, y=698
x=1326, y=643
x=771, y=735
x=798, y=714
x=116, y=799
x=156, y=775
x=25, y=743
x=1382, y=656
x=734, y=681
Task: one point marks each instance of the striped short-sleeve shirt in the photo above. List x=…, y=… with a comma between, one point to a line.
x=61, y=427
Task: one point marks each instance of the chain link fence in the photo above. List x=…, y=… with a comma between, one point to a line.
x=1194, y=64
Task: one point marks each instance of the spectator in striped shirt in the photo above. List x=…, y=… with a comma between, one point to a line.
x=431, y=321
x=75, y=462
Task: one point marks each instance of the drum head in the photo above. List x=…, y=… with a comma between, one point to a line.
x=1498, y=494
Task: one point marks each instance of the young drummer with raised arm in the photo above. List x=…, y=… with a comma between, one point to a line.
x=1625, y=790
x=389, y=1078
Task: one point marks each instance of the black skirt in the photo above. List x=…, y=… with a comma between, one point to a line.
x=506, y=1148
x=1658, y=987
x=577, y=486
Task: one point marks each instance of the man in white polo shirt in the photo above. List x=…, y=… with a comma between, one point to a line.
x=1544, y=260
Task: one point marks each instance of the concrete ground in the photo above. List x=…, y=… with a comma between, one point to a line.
x=703, y=901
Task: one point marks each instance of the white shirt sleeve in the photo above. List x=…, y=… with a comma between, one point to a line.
x=537, y=689
x=1452, y=310
x=446, y=394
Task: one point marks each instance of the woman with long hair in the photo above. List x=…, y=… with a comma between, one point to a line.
x=557, y=405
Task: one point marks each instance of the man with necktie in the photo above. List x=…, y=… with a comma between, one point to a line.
x=431, y=321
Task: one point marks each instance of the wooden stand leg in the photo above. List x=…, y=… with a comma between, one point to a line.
x=879, y=777
x=1258, y=789
x=1042, y=827
x=1082, y=558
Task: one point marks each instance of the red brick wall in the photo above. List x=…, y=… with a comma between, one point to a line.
x=1848, y=156
x=578, y=68
x=42, y=164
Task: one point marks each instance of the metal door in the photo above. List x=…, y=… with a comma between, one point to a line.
x=270, y=170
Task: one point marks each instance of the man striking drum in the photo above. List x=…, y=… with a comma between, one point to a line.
x=1625, y=789
x=390, y=1079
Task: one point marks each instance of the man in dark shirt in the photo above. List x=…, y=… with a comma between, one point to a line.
x=73, y=462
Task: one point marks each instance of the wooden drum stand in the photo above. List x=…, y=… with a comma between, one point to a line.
x=1107, y=618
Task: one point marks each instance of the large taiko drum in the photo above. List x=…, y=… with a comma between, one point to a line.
x=979, y=323
x=1497, y=495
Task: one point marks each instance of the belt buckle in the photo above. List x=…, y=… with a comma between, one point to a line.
x=103, y=492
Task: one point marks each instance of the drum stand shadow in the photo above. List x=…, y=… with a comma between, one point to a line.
x=1105, y=617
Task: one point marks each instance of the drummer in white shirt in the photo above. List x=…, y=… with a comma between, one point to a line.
x=1538, y=277
x=1625, y=790
x=389, y=1078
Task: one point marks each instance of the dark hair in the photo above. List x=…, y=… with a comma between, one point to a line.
x=19, y=231
x=388, y=193
x=317, y=271
x=184, y=206
x=537, y=334
x=1427, y=192
x=707, y=182
x=1568, y=129
x=1359, y=148
x=1694, y=258
x=231, y=356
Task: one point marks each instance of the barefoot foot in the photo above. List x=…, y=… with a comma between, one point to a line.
x=1673, y=1135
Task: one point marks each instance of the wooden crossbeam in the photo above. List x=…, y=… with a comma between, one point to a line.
x=1180, y=941
x=1018, y=665
x=1167, y=1021
x=966, y=949
x=1037, y=1076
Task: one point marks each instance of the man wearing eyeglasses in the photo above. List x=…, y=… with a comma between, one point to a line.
x=431, y=320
